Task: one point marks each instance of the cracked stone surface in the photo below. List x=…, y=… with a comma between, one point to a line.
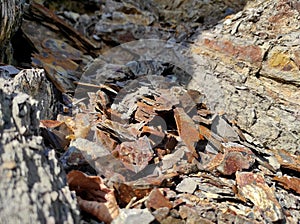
x=254, y=57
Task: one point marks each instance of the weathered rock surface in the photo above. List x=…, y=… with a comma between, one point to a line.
x=253, y=56
x=248, y=68
x=32, y=185
x=247, y=65
x=34, y=83
x=10, y=13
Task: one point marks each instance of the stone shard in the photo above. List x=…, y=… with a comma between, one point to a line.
x=187, y=130
x=252, y=187
x=133, y=216
x=289, y=183
x=235, y=158
x=187, y=185
x=157, y=200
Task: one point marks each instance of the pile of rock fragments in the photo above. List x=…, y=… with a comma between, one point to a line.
x=132, y=115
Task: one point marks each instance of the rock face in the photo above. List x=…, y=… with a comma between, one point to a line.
x=253, y=56
x=10, y=14
x=32, y=186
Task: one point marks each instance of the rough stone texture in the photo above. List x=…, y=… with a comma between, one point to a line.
x=34, y=83
x=32, y=185
x=10, y=14
x=247, y=65
x=253, y=59
x=206, y=12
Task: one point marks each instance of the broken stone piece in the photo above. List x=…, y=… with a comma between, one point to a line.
x=287, y=160
x=157, y=200
x=252, y=186
x=289, y=183
x=187, y=185
x=187, y=130
x=133, y=216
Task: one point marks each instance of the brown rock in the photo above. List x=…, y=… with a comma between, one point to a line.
x=157, y=200
x=287, y=160
x=187, y=130
x=253, y=187
x=288, y=183
x=235, y=158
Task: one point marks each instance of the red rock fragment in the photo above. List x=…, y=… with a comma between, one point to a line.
x=136, y=154
x=57, y=133
x=187, y=130
x=126, y=192
x=157, y=200
x=151, y=130
x=93, y=196
x=289, y=183
x=234, y=161
x=246, y=178
x=235, y=158
x=144, y=112
x=154, y=180
x=252, y=187
x=178, y=202
x=211, y=137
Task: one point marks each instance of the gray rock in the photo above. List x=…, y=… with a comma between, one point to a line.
x=33, y=187
x=133, y=216
x=187, y=185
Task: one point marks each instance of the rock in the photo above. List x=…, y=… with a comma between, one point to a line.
x=253, y=187
x=132, y=216
x=161, y=213
x=187, y=185
x=10, y=14
x=34, y=83
x=245, y=51
x=172, y=220
x=247, y=66
x=157, y=200
x=33, y=187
